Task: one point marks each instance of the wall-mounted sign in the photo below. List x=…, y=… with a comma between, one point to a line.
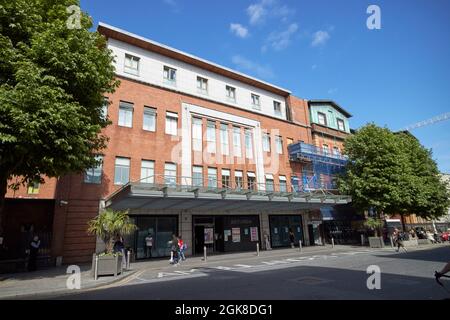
x=236, y=232
x=254, y=234
x=209, y=235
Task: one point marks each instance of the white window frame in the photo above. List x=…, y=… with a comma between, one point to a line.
x=212, y=172
x=197, y=181
x=270, y=182
x=252, y=175
x=126, y=110
x=131, y=64
x=105, y=105
x=277, y=108
x=325, y=149
x=202, y=85
x=340, y=121
x=230, y=93
x=279, y=144
x=237, y=145
x=266, y=142
x=319, y=116
x=283, y=182
x=211, y=145
x=248, y=143
x=226, y=173
x=336, y=151
x=94, y=175
x=171, y=123
x=239, y=174
x=197, y=131
x=149, y=119
x=170, y=174
x=123, y=176
x=224, y=139
x=256, y=101
x=147, y=171
x=169, y=75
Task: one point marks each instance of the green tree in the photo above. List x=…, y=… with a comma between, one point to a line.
x=392, y=173
x=52, y=82
x=109, y=225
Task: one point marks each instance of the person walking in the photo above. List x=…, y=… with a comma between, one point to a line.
x=148, y=245
x=398, y=238
x=34, y=249
x=267, y=241
x=444, y=270
x=292, y=238
x=182, y=246
x=174, y=249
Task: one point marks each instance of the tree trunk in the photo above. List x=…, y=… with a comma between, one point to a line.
x=402, y=218
x=3, y=189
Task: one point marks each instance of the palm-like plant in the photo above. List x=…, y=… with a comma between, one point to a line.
x=109, y=225
x=374, y=224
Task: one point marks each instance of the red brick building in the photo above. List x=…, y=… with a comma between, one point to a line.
x=195, y=149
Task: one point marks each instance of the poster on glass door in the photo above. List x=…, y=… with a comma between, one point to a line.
x=254, y=234
x=236, y=233
x=209, y=235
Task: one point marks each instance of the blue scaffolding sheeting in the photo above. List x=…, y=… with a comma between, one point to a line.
x=320, y=167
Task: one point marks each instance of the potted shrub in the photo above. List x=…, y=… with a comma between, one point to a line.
x=374, y=224
x=109, y=226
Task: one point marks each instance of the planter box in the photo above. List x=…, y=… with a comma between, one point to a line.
x=107, y=265
x=376, y=242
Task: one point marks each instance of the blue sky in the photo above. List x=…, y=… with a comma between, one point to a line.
x=395, y=76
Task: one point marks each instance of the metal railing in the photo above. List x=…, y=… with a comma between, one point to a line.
x=313, y=153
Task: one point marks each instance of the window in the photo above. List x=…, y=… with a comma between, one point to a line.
x=94, y=175
x=269, y=183
x=149, y=123
x=125, y=114
x=279, y=144
x=336, y=151
x=255, y=102
x=131, y=64
x=266, y=142
x=170, y=75
x=197, y=134
x=277, y=108
x=202, y=85
x=147, y=171
x=122, y=170
x=251, y=180
x=104, y=114
x=33, y=187
x=289, y=141
x=341, y=125
x=197, y=176
x=248, y=144
x=171, y=123
x=212, y=178
x=283, y=185
x=170, y=174
x=237, y=141
x=226, y=184
x=231, y=93
x=224, y=139
x=322, y=118
x=325, y=149
x=238, y=180
x=211, y=137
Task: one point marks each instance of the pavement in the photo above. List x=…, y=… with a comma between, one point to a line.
x=228, y=269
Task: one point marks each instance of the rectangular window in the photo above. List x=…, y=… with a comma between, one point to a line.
x=341, y=125
x=105, y=104
x=149, y=123
x=125, y=114
x=212, y=178
x=170, y=174
x=325, y=149
x=197, y=134
x=277, y=108
x=279, y=144
x=251, y=180
x=266, y=142
x=248, y=144
x=231, y=93
x=122, y=170
x=283, y=184
x=197, y=176
x=147, y=171
x=322, y=118
x=171, y=123
x=269, y=183
x=256, y=103
x=94, y=175
x=289, y=141
x=211, y=137
x=170, y=75
x=237, y=142
x=202, y=85
x=226, y=184
x=336, y=151
x=238, y=180
x=33, y=188
x=225, y=148
x=131, y=64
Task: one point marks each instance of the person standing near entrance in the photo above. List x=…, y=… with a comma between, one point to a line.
x=292, y=238
x=267, y=241
x=148, y=245
x=34, y=249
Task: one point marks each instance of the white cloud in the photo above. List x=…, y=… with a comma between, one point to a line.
x=320, y=38
x=281, y=40
x=239, y=30
x=173, y=4
x=259, y=11
x=248, y=65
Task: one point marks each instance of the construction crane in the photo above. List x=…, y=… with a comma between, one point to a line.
x=433, y=120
